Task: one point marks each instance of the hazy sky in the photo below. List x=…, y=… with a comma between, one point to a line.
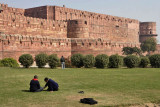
x=143, y=10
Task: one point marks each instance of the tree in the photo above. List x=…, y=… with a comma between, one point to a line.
x=149, y=45
x=127, y=50
x=130, y=51
x=136, y=51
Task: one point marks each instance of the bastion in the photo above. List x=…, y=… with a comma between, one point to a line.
x=65, y=31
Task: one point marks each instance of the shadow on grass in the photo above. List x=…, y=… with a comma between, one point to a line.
x=25, y=90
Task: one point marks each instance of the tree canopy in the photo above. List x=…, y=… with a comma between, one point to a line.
x=149, y=45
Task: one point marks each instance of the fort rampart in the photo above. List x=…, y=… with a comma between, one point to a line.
x=65, y=31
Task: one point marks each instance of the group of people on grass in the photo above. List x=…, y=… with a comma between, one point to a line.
x=35, y=85
x=51, y=84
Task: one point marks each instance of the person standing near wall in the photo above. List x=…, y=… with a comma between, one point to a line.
x=62, y=62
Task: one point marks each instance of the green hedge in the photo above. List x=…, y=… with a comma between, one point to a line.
x=89, y=61
x=115, y=61
x=155, y=60
x=41, y=60
x=9, y=62
x=144, y=62
x=77, y=60
x=131, y=61
x=53, y=61
x=26, y=60
x=102, y=61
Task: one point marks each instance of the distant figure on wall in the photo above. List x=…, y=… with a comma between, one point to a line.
x=62, y=62
x=34, y=85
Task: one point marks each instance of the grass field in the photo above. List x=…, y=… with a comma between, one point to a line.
x=110, y=87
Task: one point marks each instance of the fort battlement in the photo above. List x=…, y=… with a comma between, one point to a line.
x=65, y=31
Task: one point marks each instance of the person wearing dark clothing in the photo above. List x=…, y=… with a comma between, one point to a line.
x=34, y=85
x=62, y=62
x=52, y=85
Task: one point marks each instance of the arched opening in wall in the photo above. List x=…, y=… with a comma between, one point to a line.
x=41, y=23
x=28, y=22
x=76, y=22
x=82, y=44
x=90, y=44
x=150, y=32
x=85, y=22
x=8, y=42
x=117, y=26
x=13, y=20
x=50, y=43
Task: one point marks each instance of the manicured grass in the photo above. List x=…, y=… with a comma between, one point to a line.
x=110, y=87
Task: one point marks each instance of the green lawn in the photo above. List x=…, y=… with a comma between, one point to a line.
x=110, y=87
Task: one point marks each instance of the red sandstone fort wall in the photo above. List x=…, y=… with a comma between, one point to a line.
x=16, y=45
x=64, y=31
x=102, y=26
x=18, y=24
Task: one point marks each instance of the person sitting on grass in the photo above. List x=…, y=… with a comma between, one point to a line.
x=52, y=85
x=34, y=85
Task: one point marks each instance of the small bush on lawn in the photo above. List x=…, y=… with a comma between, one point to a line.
x=9, y=62
x=53, y=61
x=1, y=65
x=102, y=61
x=115, y=61
x=26, y=60
x=41, y=60
x=89, y=61
x=144, y=62
x=77, y=60
x=131, y=61
x=155, y=60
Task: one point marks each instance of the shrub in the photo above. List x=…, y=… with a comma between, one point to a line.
x=115, y=61
x=102, y=61
x=144, y=62
x=9, y=62
x=89, y=61
x=77, y=60
x=131, y=61
x=1, y=65
x=155, y=60
x=26, y=60
x=41, y=60
x=53, y=61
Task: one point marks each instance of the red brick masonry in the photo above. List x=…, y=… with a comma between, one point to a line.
x=65, y=31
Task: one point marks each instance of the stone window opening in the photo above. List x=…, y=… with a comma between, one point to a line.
x=28, y=22
x=117, y=26
x=13, y=20
x=41, y=23
x=76, y=22
x=150, y=32
x=85, y=22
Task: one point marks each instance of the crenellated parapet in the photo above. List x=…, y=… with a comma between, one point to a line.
x=18, y=24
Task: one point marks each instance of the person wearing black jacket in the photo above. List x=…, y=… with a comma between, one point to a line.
x=34, y=85
x=62, y=62
x=52, y=85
